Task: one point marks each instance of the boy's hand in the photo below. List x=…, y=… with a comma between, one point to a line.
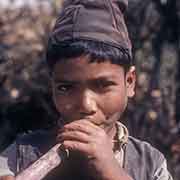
x=87, y=138
x=93, y=142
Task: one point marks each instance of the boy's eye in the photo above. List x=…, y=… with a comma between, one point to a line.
x=63, y=88
x=105, y=84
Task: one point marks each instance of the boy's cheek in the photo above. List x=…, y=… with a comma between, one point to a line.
x=115, y=104
x=62, y=105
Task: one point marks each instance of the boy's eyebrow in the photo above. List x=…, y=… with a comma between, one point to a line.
x=68, y=81
x=104, y=78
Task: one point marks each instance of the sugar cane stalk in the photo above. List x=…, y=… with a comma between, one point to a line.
x=40, y=168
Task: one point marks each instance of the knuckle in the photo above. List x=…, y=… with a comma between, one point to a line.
x=93, y=149
x=75, y=134
x=101, y=134
x=74, y=146
x=70, y=145
x=65, y=144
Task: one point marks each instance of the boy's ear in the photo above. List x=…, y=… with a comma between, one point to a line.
x=131, y=81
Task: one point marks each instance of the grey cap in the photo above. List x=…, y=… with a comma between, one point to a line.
x=97, y=20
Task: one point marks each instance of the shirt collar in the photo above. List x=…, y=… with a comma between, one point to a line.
x=121, y=137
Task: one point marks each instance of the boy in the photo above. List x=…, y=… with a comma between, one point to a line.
x=90, y=62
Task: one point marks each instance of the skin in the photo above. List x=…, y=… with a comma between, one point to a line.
x=7, y=178
x=91, y=97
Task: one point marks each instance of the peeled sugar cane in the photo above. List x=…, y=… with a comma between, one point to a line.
x=40, y=168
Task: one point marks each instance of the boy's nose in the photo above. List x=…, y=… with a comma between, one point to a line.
x=87, y=104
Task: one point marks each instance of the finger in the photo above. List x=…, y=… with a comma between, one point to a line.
x=73, y=135
x=77, y=146
x=82, y=125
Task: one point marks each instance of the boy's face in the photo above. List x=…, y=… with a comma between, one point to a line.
x=96, y=92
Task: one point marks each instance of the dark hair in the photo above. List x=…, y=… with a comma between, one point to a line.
x=97, y=51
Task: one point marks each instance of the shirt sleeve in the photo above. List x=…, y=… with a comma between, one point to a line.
x=8, y=161
x=162, y=172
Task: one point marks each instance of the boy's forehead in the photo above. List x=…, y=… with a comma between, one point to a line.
x=81, y=68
